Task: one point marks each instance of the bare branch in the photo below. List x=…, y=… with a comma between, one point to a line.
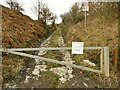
x=15, y=5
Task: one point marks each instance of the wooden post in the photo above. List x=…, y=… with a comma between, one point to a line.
x=106, y=61
x=115, y=58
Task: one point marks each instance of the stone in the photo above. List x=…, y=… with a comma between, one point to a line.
x=37, y=60
x=26, y=79
x=71, y=76
x=70, y=71
x=85, y=84
x=35, y=72
x=89, y=62
x=41, y=67
x=62, y=80
x=59, y=70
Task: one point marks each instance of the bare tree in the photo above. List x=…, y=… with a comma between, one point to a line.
x=42, y=12
x=37, y=8
x=53, y=19
x=47, y=15
x=10, y=3
x=15, y=5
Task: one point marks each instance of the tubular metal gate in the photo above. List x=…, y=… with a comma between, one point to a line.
x=104, y=57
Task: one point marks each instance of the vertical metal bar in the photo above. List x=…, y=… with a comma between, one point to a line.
x=1, y=79
x=85, y=18
x=106, y=61
x=101, y=61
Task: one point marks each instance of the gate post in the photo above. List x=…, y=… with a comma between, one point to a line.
x=1, y=78
x=106, y=61
x=102, y=60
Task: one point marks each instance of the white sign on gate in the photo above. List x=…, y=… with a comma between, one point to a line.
x=77, y=47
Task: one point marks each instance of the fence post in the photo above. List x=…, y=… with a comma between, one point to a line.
x=1, y=78
x=106, y=61
x=102, y=60
x=115, y=58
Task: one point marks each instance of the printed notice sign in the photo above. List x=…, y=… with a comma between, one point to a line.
x=77, y=47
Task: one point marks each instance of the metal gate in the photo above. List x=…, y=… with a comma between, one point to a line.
x=104, y=57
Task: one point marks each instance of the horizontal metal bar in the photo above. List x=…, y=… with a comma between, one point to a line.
x=54, y=61
x=46, y=48
x=48, y=39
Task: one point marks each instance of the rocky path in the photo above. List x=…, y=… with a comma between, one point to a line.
x=64, y=72
x=76, y=78
x=40, y=75
x=31, y=72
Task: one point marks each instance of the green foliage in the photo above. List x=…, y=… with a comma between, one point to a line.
x=74, y=15
x=50, y=79
x=54, y=54
x=78, y=58
x=91, y=55
x=54, y=39
x=104, y=11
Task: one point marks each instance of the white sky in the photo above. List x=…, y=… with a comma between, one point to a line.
x=56, y=6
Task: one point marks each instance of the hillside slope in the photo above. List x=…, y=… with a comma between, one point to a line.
x=101, y=30
x=101, y=27
x=19, y=30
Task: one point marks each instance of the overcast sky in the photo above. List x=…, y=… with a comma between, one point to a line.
x=56, y=6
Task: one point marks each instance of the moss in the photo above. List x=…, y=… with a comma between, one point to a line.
x=54, y=39
x=53, y=55
x=78, y=58
x=50, y=79
x=93, y=56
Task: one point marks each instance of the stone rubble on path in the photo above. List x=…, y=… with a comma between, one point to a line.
x=89, y=62
x=40, y=64
x=26, y=79
x=61, y=71
x=65, y=72
x=39, y=68
x=42, y=67
x=42, y=52
x=35, y=72
x=38, y=61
